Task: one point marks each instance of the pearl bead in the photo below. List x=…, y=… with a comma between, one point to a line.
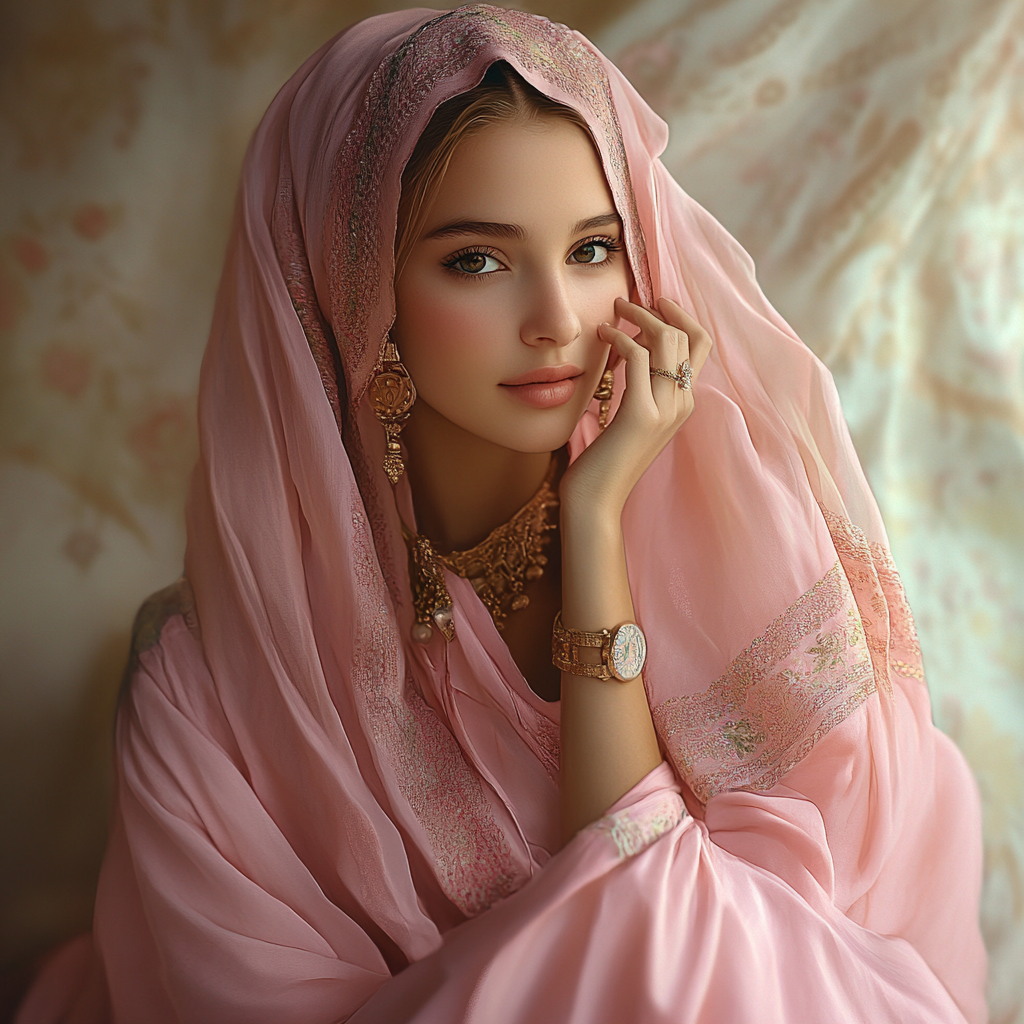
x=421, y=633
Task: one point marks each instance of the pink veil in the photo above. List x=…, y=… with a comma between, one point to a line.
x=308, y=801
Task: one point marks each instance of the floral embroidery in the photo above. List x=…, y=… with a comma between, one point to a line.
x=829, y=650
x=812, y=668
x=806, y=673
x=634, y=829
x=545, y=734
x=743, y=736
x=911, y=671
x=888, y=622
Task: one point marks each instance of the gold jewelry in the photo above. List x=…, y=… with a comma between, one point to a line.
x=623, y=651
x=683, y=375
x=499, y=567
x=604, y=395
x=430, y=595
x=392, y=394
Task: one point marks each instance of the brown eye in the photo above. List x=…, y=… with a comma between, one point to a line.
x=472, y=263
x=591, y=252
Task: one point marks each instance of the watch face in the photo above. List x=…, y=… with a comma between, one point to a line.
x=629, y=651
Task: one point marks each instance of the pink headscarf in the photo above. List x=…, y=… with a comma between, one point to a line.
x=309, y=801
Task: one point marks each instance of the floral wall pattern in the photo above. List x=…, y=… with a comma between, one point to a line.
x=866, y=153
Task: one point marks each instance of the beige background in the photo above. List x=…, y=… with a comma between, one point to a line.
x=868, y=154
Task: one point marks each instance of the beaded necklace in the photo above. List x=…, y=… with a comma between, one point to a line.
x=499, y=567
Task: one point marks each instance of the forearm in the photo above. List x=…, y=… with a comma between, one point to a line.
x=608, y=738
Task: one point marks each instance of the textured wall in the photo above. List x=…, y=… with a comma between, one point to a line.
x=866, y=152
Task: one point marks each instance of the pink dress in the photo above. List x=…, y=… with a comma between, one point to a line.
x=320, y=821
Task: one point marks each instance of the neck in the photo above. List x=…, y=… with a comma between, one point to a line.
x=462, y=485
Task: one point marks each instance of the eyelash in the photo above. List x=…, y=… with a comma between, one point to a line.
x=602, y=240
x=451, y=262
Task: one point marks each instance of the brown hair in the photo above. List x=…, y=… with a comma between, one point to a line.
x=502, y=97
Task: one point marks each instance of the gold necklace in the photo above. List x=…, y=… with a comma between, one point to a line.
x=499, y=567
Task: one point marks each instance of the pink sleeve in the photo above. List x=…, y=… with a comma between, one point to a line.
x=205, y=912
x=881, y=819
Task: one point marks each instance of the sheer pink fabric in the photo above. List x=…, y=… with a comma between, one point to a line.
x=309, y=804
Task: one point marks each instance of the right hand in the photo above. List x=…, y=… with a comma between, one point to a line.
x=653, y=408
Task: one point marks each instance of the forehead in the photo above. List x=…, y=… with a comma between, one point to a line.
x=541, y=173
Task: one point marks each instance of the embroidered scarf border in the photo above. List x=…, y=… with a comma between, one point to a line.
x=810, y=669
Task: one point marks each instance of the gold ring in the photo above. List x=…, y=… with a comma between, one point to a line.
x=683, y=375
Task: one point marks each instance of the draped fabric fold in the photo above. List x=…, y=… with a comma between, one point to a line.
x=319, y=820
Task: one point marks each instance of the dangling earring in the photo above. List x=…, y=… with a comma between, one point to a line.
x=604, y=395
x=392, y=394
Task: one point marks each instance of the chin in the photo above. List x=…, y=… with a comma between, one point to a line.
x=536, y=431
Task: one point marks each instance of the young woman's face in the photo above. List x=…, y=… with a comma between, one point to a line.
x=520, y=258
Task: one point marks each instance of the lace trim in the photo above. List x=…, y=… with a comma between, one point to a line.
x=291, y=254
x=813, y=666
x=634, y=829
x=549, y=743
x=802, y=677
x=472, y=857
x=888, y=622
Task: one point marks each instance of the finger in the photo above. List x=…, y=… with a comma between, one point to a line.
x=647, y=320
x=638, y=363
x=677, y=349
x=700, y=349
x=667, y=345
x=666, y=336
x=700, y=342
x=662, y=391
x=622, y=344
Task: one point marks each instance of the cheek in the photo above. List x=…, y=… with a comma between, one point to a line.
x=617, y=284
x=449, y=335
x=597, y=293
x=455, y=325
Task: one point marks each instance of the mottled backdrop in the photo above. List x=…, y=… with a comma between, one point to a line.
x=867, y=152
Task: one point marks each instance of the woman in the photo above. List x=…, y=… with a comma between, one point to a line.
x=351, y=784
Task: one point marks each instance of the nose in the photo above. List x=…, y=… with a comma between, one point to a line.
x=550, y=315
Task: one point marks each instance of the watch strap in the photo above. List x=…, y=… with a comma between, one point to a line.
x=565, y=645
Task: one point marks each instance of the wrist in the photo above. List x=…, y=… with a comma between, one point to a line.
x=586, y=506
x=591, y=524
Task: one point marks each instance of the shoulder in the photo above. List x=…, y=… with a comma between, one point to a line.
x=155, y=612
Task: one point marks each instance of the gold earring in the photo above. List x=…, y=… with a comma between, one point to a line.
x=392, y=394
x=604, y=395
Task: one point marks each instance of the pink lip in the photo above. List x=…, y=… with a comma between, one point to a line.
x=546, y=387
x=544, y=375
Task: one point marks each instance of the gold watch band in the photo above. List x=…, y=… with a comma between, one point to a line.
x=567, y=643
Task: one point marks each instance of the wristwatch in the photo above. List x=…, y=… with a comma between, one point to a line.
x=623, y=651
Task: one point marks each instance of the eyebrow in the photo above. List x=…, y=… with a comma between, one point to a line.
x=514, y=231
x=602, y=221
x=479, y=227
